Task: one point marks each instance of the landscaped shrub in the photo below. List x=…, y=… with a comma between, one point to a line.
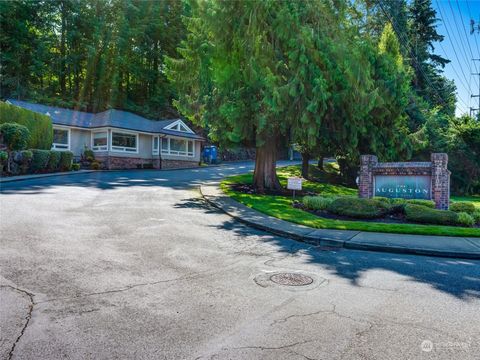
x=39, y=160
x=23, y=159
x=3, y=157
x=358, y=208
x=88, y=154
x=54, y=160
x=40, y=126
x=465, y=219
x=66, y=161
x=423, y=214
x=15, y=136
x=476, y=216
x=95, y=165
x=427, y=203
x=317, y=202
x=462, y=206
x=76, y=167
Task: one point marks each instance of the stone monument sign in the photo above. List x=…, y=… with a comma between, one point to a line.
x=408, y=180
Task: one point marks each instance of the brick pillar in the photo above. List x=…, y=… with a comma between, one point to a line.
x=440, y=181
x=365, y=176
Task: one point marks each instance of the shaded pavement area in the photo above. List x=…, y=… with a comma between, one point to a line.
x=136, y=264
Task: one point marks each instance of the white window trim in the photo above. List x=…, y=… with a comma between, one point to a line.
x=122, y=149
x=174, y=124
x=60, y=147
x=99, y=148
x=155, y=152
x=169, y=151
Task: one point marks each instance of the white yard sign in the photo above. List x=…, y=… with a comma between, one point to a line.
x=294, y=183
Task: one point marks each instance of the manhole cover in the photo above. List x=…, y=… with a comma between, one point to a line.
x=291, y=279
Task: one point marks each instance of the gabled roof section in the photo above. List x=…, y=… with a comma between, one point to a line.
x=111, y=118
x=179, y=125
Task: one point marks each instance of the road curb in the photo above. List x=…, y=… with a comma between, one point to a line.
x=40, y=176
x=328, y=241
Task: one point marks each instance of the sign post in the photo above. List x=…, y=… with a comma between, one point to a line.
x=294, y=183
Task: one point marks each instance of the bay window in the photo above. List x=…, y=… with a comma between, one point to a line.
x=61, y=139
x=175, y=146
x=124, y=142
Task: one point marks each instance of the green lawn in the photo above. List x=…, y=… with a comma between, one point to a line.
x=280, y=207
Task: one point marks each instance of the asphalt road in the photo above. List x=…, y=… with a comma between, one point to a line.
x=134, y=265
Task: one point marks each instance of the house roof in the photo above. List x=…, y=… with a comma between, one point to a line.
x=110, y=118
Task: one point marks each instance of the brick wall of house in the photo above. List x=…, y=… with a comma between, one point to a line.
x=119, y=162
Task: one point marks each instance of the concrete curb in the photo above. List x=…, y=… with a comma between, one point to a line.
x=332, y=238
x=39, y=176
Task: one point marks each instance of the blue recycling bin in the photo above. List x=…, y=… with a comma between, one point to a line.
x=210, y=154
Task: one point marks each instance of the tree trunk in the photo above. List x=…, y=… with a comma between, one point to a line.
x=305, y=160
x=265, y=174
x=320, y=163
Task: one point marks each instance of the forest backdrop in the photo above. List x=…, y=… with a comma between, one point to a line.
x=335, y=78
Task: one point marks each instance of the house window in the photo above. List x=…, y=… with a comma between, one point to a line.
x=155, y=141
x=180, y=147
x=165, y=145
x=124, y=142
x=100, y=141
x=61, y=139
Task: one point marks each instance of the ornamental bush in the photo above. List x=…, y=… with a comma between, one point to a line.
x=23, y=159
x=465, y=219
x=476, y=216
x=423, y=214
x=3, y=159
x=427, y=203
x=39, y=160
x=39, y=125
x=66, y=161
x=54, y=160
x=358, y=208
x=14, y=136
x=317, y=202
x=462, y=206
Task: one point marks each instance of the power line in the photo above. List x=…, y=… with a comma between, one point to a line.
x=451, y=38
x=465, y=31
x=471, y=18
x=404, y=40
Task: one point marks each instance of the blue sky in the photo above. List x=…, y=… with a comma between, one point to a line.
x=459, y=46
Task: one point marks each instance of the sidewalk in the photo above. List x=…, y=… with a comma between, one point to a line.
x=444, y=246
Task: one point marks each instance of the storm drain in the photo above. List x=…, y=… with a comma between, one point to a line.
x=291, y=279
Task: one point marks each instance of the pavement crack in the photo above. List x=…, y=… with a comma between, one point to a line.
x=119, y=290
x=270, y=347
x=27, y=317
x=331, y=311
x=282, y=320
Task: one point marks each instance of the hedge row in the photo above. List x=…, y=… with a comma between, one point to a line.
x=420, y=211
x=37, y=161
x=40, y=126
x=51, y=160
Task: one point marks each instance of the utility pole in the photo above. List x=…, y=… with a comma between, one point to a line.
x=472, y=110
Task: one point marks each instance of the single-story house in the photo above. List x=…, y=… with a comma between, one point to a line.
x=120, y=139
